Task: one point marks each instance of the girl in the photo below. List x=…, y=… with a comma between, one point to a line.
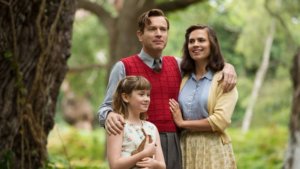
x=131, y=99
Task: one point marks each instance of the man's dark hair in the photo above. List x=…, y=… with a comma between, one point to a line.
x=144, y=20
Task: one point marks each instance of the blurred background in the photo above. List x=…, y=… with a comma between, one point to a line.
x=259, y=38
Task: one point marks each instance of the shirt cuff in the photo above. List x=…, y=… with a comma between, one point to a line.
x=103, y=115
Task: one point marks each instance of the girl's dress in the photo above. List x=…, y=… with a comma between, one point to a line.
x=133, y=136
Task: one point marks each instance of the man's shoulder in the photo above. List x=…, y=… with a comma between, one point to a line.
x=169, y=57
x=172, y=59
x=129, y=57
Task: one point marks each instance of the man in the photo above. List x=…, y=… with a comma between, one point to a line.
x=164, y=75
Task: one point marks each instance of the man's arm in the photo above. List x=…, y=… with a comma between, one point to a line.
x=229, y=78
x=179, y=62
x=116, y=74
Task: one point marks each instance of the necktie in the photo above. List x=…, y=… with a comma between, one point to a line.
x=156, y=65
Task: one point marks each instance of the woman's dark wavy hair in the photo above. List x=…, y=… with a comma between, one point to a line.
x=216, y=59
x=127, y=85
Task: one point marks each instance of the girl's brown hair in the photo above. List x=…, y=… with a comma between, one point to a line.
x=127, y=86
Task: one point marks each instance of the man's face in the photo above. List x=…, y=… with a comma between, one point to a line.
x=155, y=36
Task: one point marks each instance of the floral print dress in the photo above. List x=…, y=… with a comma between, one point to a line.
x=133, y=136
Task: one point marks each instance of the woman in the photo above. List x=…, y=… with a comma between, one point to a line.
x=206, y=109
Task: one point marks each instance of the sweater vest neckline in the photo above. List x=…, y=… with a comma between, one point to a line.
x=165, y=85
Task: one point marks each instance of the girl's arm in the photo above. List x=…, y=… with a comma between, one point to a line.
x=158, y=162
x=114, y=146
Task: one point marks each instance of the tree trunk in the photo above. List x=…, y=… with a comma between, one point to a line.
x=123, y=38
x=35, y=40
x=293, y=150
x=259, y=78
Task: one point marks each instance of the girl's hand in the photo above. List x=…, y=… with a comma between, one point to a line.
x=150, y=148
x=146, y=163
x=176, y=112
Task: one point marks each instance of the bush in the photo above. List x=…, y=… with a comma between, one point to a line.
x=72, y=148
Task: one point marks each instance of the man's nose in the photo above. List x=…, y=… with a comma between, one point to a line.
x=158, y=32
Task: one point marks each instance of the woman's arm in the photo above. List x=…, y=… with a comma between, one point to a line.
x=220, y=119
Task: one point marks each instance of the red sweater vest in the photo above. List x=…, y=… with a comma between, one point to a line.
x=164, y=85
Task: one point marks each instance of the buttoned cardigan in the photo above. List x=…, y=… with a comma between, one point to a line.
x=220, y=106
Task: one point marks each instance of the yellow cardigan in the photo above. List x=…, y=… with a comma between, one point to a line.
x=220, y=106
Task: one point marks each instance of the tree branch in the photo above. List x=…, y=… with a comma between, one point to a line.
x=279, y=18
x=177, y=5
x=98, y=10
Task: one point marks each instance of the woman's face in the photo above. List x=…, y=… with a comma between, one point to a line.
x=199, y=45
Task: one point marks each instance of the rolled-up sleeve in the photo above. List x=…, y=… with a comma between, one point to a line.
x=117, y=73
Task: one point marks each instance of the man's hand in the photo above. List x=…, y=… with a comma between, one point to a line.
x=229, y=78
x=114, y=123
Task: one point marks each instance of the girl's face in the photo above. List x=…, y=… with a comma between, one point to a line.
x=138, y=101
x=199, y=45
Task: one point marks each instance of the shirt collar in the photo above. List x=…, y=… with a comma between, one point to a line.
x=146, y=58
x=208, y=75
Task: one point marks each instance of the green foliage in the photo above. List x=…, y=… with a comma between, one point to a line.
x=6, y=161
x=69, y=147
x=90, y=84
x=260, y=148
x=257, y=24
x=7, y=55
x=244, y=87
x=273, y=104
x=87, y=51
x=84, y=45
x=196, y=14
